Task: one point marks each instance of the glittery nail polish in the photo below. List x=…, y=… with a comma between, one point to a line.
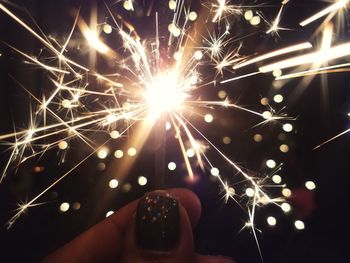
x=157, y=222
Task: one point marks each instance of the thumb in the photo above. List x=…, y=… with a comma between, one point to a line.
x=159, y=232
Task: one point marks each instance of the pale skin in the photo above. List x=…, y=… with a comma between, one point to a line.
x=113, y=239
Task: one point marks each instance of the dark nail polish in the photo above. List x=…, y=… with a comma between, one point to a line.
x=157, y=222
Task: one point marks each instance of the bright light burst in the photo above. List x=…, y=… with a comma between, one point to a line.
x=150, y=87
x=222, y=9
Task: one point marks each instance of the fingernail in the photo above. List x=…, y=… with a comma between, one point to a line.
x=157, y=222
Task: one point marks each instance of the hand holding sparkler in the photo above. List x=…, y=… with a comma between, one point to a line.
x=160, y=231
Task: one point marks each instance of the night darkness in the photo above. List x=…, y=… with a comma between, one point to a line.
x=321, y=111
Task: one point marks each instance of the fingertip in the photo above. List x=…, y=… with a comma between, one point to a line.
x=162, y=229
x=105, y=240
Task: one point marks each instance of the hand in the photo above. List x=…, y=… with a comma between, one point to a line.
x=155, y=228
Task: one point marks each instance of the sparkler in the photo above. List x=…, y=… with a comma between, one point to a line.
x=152, y=88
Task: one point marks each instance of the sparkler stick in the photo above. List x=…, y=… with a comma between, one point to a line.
x=159, y=138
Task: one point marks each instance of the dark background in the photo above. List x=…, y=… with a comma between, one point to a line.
x=322, y=113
